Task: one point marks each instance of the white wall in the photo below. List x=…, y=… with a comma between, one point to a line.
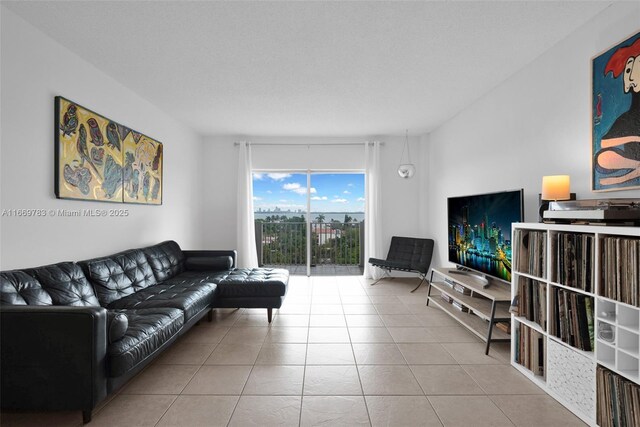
x=536, y=123
x=34, y=70
x=400, y=200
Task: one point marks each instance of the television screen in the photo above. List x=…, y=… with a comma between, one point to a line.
x=480, y=231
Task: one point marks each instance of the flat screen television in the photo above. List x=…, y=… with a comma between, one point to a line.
x=480, y=232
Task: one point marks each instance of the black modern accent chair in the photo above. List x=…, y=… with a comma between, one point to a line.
x=407, y=254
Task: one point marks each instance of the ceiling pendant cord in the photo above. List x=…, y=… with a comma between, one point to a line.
x=406, y=170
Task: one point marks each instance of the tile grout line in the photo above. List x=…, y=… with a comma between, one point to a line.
x=306, y=353
x=366, y=406
x=248, y=376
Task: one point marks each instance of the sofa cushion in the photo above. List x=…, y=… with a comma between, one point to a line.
x=119, y=275
x=19, y=288
x=183, y=294
x=117, y=325
x=148, y=330
x=66, y=284
x=215, y=263
x=254, y=282
x=166, y=259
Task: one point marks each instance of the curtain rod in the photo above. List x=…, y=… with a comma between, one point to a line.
x=308, y=143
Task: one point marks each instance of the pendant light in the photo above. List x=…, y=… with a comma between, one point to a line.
x=408, y=169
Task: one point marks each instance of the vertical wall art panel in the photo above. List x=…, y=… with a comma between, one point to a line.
x=142, y=169
x=99, y=159
x=616, y=117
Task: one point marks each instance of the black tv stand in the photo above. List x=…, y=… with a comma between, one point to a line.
x=478, y=276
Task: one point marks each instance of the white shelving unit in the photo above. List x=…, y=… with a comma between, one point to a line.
x=486, y=306
x=570, y=373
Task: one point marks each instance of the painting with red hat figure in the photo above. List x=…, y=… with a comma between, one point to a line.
x=615, y=114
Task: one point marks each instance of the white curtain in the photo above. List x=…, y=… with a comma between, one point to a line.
x=247, y=254
x=372, y=221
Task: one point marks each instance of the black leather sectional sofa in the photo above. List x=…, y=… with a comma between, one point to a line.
x=71, y=333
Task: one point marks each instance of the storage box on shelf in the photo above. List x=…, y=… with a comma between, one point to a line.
x=590, y=275
x=476, y=308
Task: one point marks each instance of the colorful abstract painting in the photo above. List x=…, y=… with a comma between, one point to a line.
x=616, y=117
x=99, y=159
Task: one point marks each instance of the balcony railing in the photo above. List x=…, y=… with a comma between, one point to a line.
x=332, y=243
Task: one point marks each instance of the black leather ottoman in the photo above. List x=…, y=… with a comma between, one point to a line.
x=253, y=288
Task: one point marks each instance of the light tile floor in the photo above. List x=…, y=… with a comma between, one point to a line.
x=339, y=352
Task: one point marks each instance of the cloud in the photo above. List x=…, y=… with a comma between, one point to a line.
x=283, y=200
x=269, y=192
x=257, y=198
x=297, y=188
x=360, y=199
x=279, y=176
x=319, y=198
x=350, y=184
x=339, y=201
x=258, y=176
x=291, y=186
x=346, y=192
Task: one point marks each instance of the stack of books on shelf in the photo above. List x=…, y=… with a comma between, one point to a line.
x=446, y=298
x=530, y=351
x=461, y=289
x=571, y=318
x=532, y=301
x=531, y=256
x=460, y=307
x=575, y=260
x=621, y=269
x=618, y=400
x=504, y=327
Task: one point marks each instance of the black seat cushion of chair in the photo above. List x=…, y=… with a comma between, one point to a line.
x=393, y=265
x=254, y=282
x=174, y=293
x=148, y=330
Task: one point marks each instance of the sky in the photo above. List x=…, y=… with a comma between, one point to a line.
x=335, y=192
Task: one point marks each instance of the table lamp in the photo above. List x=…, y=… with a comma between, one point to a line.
x=554, y=188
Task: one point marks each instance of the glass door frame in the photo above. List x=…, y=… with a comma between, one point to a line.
x=310, y=172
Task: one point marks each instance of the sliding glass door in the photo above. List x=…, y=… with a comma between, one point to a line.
x=310, y=223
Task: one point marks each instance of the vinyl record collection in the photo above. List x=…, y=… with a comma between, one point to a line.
x=575, y=260
x=532, y=301
x=532, y=248
x=618, y=400
x=621, y=270
x=571, y=318
x=530, y=351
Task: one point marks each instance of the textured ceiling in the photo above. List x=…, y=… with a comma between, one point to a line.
x=309, y=68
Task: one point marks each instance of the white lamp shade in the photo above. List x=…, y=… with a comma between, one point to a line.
x=556, y=187
x=406, y=170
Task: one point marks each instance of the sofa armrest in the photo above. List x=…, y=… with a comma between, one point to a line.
x=53, y=357
x=213, y=253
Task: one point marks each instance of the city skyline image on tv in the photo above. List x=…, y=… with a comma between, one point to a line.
x=479, y=233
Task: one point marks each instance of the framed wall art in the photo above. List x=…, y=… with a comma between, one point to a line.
x=99, y=159
x=616, y=117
